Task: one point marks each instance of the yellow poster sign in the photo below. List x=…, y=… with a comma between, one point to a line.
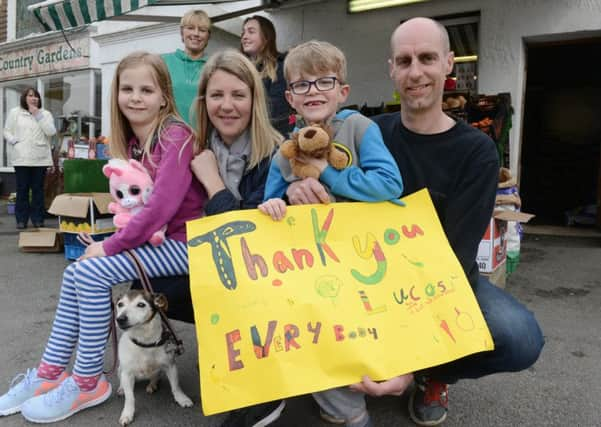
x=329, y=294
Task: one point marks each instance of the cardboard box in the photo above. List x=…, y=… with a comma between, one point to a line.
x=83, y=212
x=41, y=240
x=493, y=247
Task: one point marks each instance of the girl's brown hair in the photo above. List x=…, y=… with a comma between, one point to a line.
x=267, y=58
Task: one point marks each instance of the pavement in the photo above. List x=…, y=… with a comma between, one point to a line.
x=558, y=278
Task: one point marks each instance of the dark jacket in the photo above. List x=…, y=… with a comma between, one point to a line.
x=279, y=109
x=252, y=187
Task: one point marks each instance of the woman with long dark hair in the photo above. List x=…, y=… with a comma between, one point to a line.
x=258, y=43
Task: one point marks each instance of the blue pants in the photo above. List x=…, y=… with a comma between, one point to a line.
x=30, y=178
x=518, y=343
x=83, y=314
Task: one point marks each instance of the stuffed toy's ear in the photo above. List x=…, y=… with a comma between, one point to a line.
x=108, y=170
x=137, y=165
x=160, y=302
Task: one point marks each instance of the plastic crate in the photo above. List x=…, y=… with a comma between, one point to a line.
x=513, y=259
x=74, y=249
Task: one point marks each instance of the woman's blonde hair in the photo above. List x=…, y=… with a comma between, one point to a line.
x=121, y=131
x=267, y=58
x=264, y=138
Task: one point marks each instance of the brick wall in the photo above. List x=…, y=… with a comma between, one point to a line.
x=3, y=20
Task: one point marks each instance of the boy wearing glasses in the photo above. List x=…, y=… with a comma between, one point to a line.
x=316, y=76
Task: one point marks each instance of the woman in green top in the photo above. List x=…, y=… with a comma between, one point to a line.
x=185, y=65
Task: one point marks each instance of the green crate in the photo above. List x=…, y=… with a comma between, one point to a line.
x=513, y=259
x=85, y=176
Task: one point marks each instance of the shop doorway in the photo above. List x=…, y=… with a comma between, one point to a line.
x=561, y=137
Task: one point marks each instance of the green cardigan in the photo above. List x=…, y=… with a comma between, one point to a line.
x=185, y=74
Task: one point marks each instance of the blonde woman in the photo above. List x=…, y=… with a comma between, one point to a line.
x=233, y=128
x=237, y=141
x=144, y=126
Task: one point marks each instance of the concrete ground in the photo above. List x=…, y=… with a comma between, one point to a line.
x=559, y=278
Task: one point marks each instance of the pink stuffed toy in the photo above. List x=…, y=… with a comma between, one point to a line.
x=131, y=186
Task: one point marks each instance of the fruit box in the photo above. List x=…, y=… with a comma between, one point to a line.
x=83, y=212
x=493, y=246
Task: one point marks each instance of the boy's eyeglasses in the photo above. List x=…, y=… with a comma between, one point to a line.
x=302, y=87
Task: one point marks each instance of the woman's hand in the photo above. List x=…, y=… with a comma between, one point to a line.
x=93, y=248
x=33, y=109
x=204, y=167
x=394, y=386
x=307, y=191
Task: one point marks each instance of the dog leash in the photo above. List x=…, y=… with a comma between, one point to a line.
x=113, y=332
x=179, y=344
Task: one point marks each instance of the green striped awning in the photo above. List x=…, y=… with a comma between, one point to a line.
x=63, y=14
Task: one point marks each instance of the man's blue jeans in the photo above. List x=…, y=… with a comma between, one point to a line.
x=518, y=343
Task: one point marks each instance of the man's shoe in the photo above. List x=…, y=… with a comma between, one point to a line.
x=21, y=226
x=429, y=402
x=38, y=224
x=64, y=401
x=25, y=386
x=260, y=415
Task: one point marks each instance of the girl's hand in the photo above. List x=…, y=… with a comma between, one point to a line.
x=204, y=167
x=275, y=208
x=320, y=164
x=93, y=248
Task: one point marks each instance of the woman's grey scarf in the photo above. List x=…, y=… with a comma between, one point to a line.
x=231, y=160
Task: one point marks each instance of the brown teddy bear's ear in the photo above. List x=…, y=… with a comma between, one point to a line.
x=160, y=302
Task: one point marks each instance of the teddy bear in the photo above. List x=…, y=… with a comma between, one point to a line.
x=131, y=186
x=314, y=141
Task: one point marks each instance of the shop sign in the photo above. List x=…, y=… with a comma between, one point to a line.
x=52, y=58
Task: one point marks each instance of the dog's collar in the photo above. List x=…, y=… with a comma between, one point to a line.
x=164, y=337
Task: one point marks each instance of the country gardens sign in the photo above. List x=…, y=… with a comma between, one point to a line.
x=51, y=58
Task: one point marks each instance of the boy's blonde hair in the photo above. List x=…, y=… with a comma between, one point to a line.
x=264, y=137
x=315, y=57
x=121, y=131
x=196, y=17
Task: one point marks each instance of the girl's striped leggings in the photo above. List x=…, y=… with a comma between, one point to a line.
x=83, y=314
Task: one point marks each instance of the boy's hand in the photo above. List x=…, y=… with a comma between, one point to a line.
x=275, y=208
x=320, y=163
x=307, y=191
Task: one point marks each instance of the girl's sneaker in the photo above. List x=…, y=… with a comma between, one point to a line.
x=25, y=386
x=64, y=401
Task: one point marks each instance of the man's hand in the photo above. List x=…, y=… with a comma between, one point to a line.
x=307, y=191
x=395, y=386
